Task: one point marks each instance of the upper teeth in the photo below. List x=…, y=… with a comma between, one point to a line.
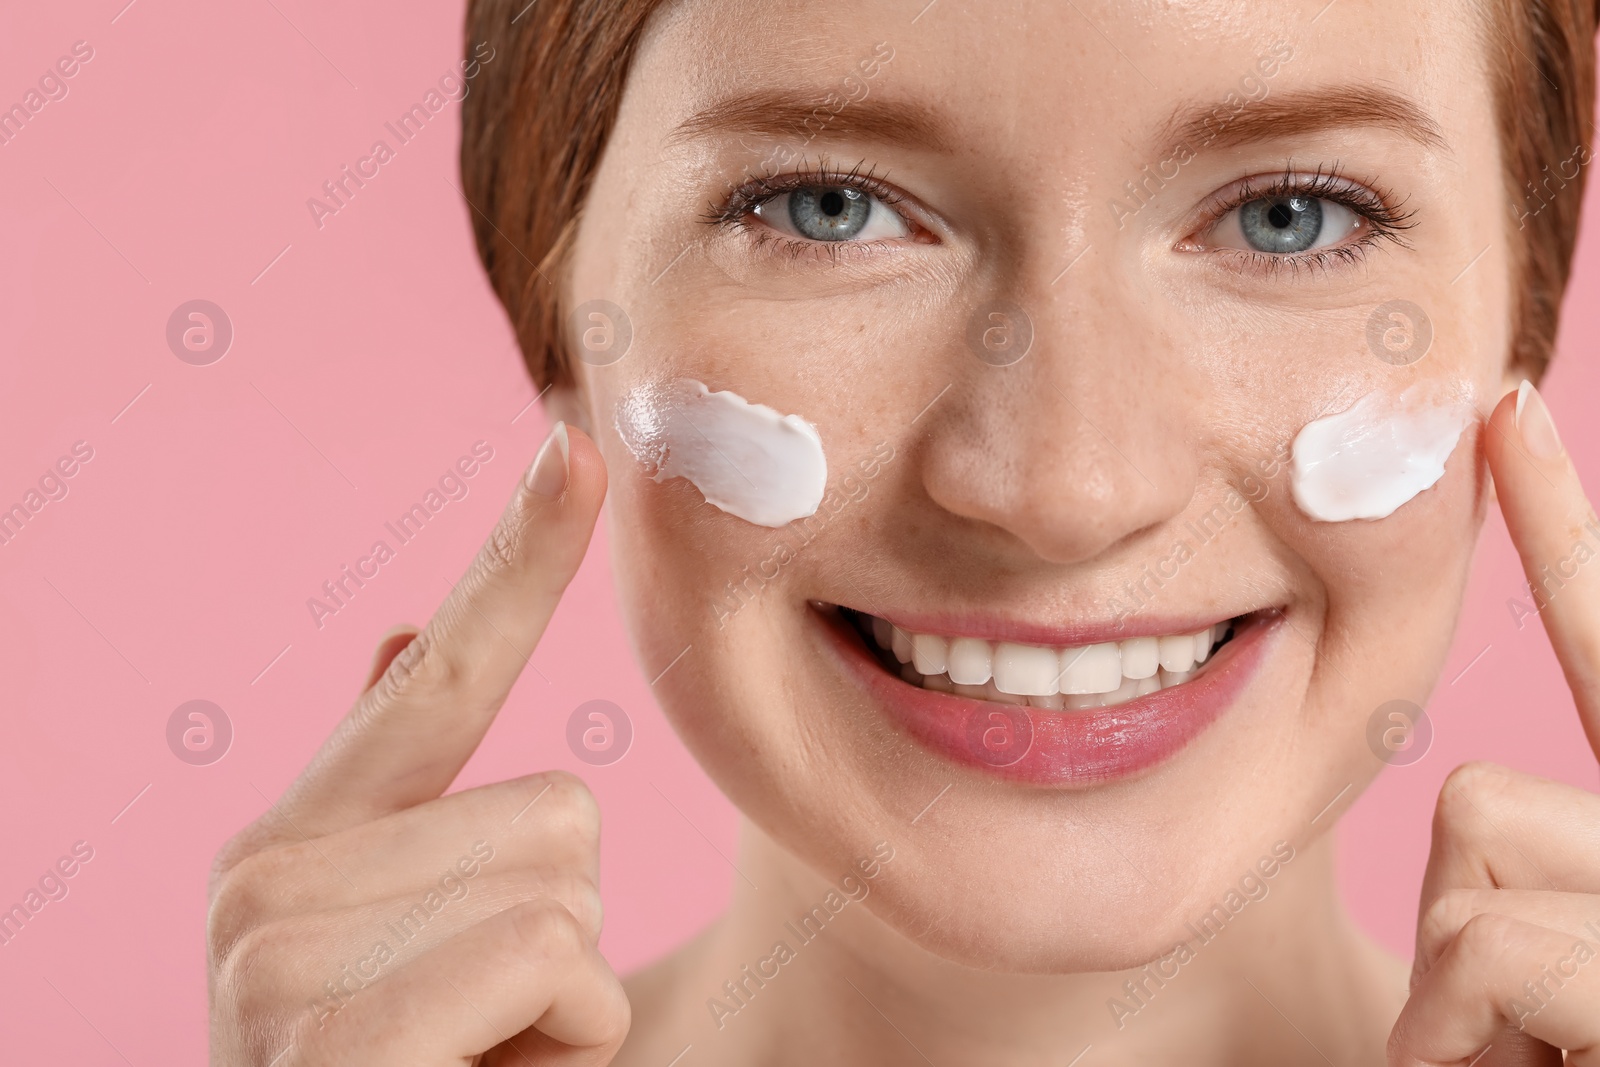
x=1083, y=676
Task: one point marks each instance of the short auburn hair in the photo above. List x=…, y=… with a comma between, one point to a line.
x=535, y=125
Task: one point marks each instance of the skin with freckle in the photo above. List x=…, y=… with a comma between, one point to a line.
x=1169, y=371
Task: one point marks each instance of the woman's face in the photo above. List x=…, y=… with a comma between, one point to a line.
x=995, y=254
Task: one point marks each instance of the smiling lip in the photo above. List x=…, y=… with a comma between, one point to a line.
x=1061, y=748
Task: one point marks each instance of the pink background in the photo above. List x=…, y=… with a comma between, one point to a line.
x=368, y=356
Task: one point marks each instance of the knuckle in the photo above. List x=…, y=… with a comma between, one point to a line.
x=233, y=853
x=582, y=898
x=1401, y=1039
x=416, y=662
x=573, y=890
x=592, y=910
x=618, y=1016
x=239, y=902
x=1449, y=912
x=294, y=1043
x=513, y=550
x=543, y=927
x=247, y=977
x=1470, y=792
x=421, y=667
x=1394, y=1047
x=503, y=547
x=572, y=807
x=1484, y=939
x=1478, y=780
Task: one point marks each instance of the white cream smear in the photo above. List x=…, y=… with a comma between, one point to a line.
x=748, y=460
x=1366, y=462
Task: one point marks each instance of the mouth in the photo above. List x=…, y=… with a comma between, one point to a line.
x=1046, y=706
x=1100, y=675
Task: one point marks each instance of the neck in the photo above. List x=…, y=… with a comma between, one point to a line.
x=790, y=974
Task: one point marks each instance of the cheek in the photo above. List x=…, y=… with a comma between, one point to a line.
x=1372, y=516
x=731, y=418
x=733, y=431
x=746, y=459
x=1377, y=456
x=1381, y=596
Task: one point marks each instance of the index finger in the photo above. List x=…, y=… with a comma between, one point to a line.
x=408, y=735
x=1557, y=536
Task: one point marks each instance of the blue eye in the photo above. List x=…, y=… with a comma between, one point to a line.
x=832, y=213
x=1285, y=225
x=829, y=214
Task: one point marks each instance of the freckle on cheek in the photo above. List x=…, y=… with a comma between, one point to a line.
x=746, y=459
x=1370, y=460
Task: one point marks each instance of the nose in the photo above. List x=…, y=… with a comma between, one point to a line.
x=1086, y=442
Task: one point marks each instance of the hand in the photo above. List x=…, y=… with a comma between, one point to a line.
x=1508, y=943
x=367, y=918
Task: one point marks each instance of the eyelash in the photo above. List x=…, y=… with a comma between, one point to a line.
x=736, y=212
x=1385, y=220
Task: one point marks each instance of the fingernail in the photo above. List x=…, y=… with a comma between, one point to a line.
x=1534, y=423
x=547, y=476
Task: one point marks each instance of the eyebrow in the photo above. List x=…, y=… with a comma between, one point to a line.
x=1302, y=111
x=911, y=124
x=782, y=114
